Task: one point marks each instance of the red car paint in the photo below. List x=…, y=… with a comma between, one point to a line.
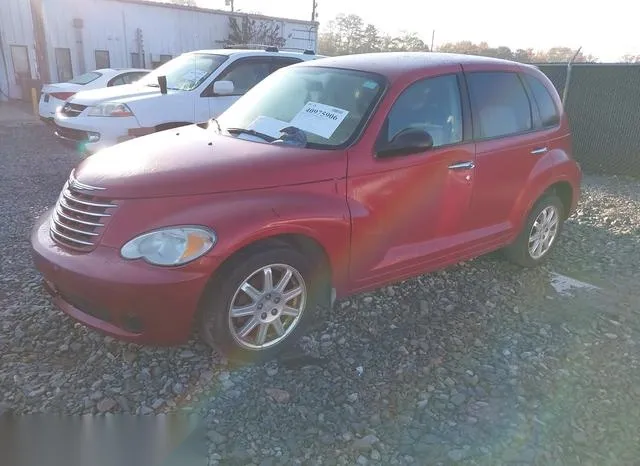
x=379, y=220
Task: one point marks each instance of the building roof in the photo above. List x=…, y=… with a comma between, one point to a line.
x=166, y=4
x=398, y=63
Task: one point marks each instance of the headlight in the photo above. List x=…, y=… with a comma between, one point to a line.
x=110, y=109
x=170, y=246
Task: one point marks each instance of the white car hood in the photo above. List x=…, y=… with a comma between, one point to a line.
x=124, y=93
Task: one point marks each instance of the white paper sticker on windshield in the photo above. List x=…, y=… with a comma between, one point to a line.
x=269, y=126
x=319, y=119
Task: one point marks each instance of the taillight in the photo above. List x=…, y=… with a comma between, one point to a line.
x=62, y=95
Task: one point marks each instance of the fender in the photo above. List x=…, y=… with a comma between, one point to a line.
x=317, y=211
x=540, y=179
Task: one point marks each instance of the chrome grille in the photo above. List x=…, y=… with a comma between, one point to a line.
x=72, y=110
x=78, y=219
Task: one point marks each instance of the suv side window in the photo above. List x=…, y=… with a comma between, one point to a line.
x=281, y=62
x=500, y=104
x=549, y=115
x=246, y=73
x=432, y=104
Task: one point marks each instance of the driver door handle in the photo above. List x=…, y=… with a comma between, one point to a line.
x=462, y=166
x=540, y=150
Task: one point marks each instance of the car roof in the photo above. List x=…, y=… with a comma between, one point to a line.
x=394, y=64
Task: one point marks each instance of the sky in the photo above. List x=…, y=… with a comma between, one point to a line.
x=604, y=29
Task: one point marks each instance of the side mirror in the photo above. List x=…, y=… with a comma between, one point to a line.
x=408, y=141
x=162, y=82
x=223, y=88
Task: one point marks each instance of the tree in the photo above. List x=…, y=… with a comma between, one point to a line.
x=629, y=58
x=251, y=31
x=348, y=34
x=410, y=42
x=562, y=55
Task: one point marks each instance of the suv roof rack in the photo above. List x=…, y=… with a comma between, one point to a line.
x=268, y=48
x=304, y=51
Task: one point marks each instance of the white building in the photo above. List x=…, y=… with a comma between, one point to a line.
x=54, y=40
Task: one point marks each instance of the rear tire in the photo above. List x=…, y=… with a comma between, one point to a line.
x=539, y=234
x=261, y=303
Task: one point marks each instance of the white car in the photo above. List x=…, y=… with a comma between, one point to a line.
x=191, y=88
x=54, y=95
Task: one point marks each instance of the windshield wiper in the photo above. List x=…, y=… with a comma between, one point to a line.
x=252, y=132
x=153, y=85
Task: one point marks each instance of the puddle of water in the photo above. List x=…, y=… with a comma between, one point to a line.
x=565, y=285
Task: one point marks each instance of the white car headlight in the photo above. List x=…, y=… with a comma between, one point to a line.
x=110, y=109
x=170, y=246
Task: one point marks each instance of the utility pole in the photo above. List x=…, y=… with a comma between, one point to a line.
x=314, y=10
x=229, y=3
x=433, y=36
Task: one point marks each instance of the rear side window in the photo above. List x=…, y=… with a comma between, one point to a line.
x=500, y=104
x=548, y=111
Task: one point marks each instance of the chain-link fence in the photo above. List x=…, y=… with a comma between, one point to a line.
x=603, y=105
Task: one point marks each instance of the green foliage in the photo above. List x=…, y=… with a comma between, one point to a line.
x=628, y=58
x=252, y=31
x=348, y=34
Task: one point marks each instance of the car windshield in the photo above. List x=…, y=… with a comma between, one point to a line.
x=85, y=78
x=327, y=107
x=186, y=72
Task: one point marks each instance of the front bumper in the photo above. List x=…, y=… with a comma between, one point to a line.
x=75, y=131
x=129, y=300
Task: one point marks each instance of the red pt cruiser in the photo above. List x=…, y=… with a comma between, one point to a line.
x=328, y=178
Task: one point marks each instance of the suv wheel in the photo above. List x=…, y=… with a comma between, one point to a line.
x=261, y=304
x=540, y=232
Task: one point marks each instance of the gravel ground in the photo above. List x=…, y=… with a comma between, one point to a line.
x=480, y=364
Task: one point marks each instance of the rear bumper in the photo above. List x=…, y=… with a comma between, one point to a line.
x=129, y=300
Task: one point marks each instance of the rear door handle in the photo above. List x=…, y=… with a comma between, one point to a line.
x=540, y=150
x=462, y=166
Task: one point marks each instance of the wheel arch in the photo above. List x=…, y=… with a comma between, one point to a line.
x=302, y=242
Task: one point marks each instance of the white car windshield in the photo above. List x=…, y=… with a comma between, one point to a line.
x=328, y=105
x=186, y=72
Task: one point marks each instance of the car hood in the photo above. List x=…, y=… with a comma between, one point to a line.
x=192, y=160
x=123, y=93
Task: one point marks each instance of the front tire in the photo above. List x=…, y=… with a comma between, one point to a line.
x=539, y=234
x=260, y=304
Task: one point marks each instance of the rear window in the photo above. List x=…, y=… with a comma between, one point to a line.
x=86, y=78
x=548, y=111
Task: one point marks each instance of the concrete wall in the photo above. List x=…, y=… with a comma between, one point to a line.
x=16, y=29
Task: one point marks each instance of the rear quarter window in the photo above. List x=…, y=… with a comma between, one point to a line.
x=500, y=104
x=549, y=114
